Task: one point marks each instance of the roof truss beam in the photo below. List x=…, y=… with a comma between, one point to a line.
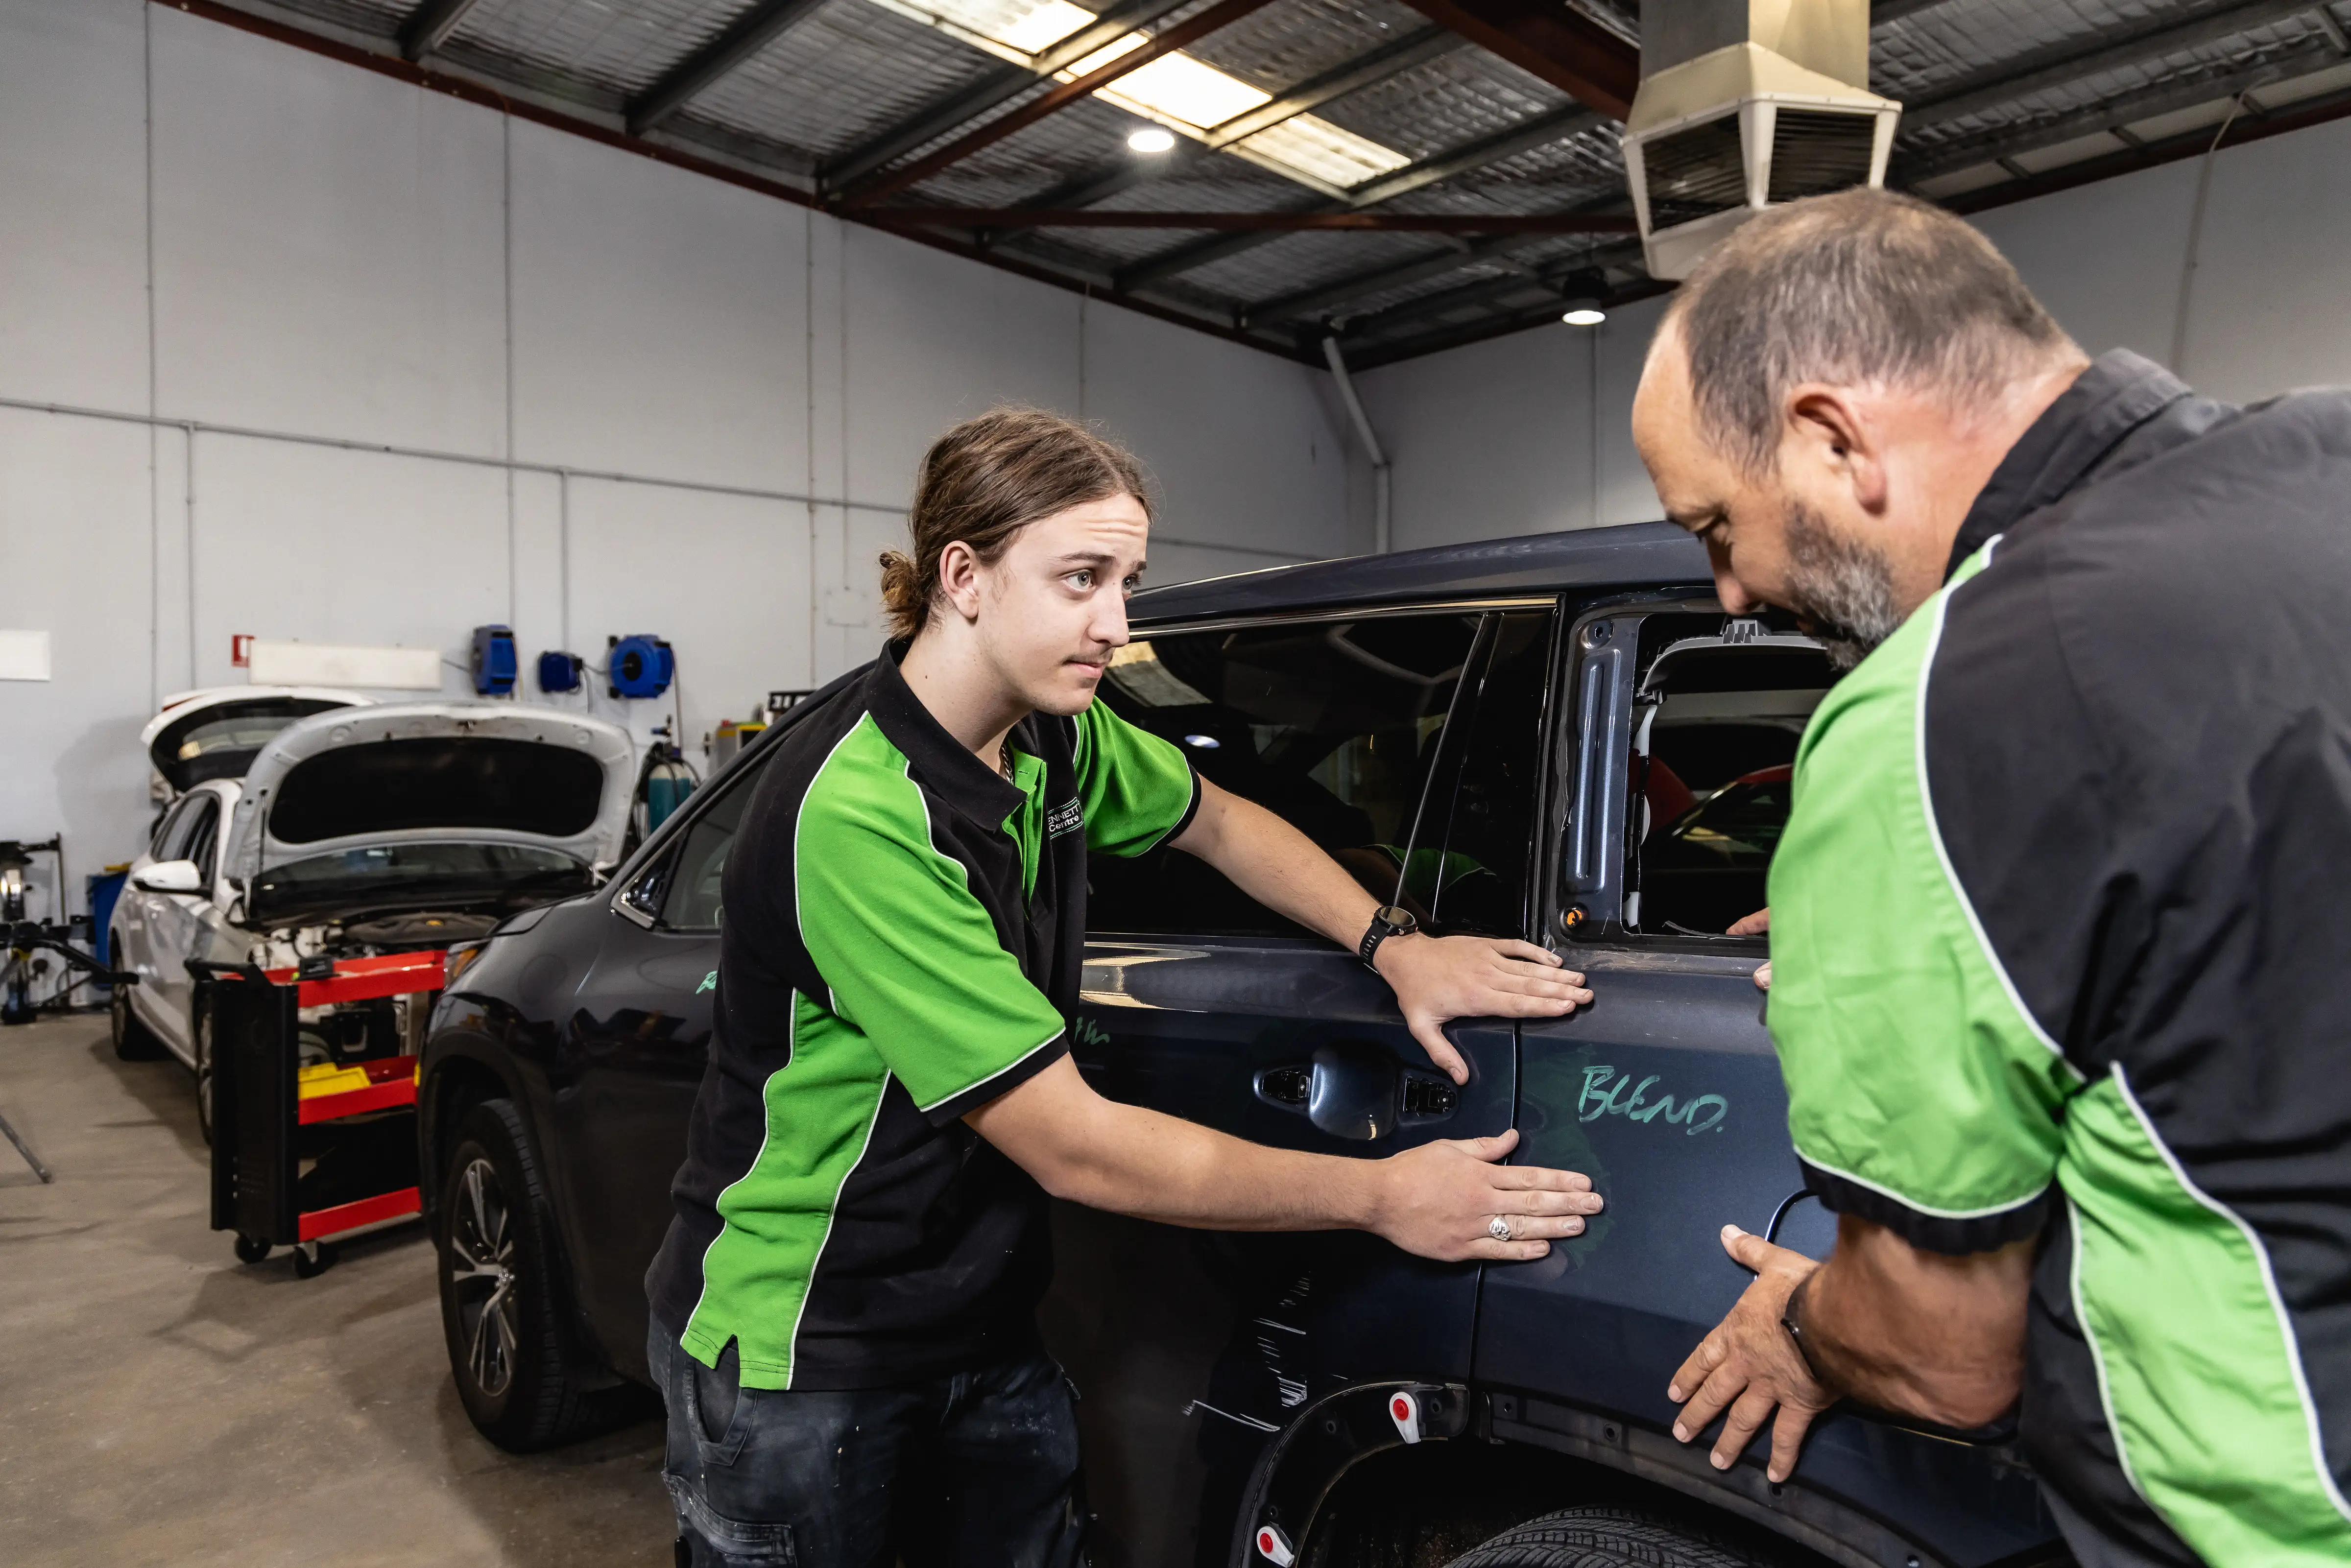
x=1549, y=42
x=753, y=30
x=1507, y=142
x=2078, y=64
x=2111, y=115
x=1021, y=219
x=429, y=27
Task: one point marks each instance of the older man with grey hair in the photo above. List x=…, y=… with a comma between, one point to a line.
x=2061, y=956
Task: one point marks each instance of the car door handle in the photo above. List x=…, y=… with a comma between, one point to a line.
x=1355, y=1090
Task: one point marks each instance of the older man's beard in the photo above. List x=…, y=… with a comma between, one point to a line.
x=1841, y=589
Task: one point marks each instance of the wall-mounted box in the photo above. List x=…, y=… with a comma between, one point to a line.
x=276, y=663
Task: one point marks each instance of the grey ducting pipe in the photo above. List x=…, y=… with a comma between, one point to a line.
x=1381, y=532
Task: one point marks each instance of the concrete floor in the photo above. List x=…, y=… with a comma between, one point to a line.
x=160, y=1403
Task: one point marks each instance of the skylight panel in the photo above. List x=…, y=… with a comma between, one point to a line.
x=1183, y=93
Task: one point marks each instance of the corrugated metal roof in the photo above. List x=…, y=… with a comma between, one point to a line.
x=1997, y=90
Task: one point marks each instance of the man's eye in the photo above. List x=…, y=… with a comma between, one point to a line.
x=1080, y=579
x=1130, y=585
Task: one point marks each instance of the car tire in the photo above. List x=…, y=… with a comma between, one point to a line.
x=133, y=1042
x=1602, y=1538
x=501, y=1296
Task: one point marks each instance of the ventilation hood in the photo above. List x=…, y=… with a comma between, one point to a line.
x=1744, y=104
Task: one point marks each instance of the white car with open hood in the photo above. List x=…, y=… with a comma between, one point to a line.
x=364, y=831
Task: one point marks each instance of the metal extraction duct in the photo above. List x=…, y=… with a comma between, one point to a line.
x=1742, y=104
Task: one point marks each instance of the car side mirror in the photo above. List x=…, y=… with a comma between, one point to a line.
x=172, y=876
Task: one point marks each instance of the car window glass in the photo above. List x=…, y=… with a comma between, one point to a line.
x=692, y=901
x=1330, y=724
x=172, y=829
x=1470, y=869
x=1710, y=792
x=203, y=835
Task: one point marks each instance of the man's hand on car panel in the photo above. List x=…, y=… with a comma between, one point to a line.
x=1438, y=978
x=1755, y=924
x=1448, y=1200
x=1749, y=1365
x=1441, y=1199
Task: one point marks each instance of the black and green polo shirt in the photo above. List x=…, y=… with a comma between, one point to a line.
x=2061, y=930
x=902, y=945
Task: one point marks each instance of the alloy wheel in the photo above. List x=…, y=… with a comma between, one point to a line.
x=482, y=1278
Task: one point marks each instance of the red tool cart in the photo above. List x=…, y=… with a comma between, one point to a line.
x=303, y=1151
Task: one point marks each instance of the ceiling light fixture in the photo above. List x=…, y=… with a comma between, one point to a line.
x=1584, y=313
x=1150, y=138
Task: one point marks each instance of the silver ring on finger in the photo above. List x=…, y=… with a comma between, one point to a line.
x=1499, y=1229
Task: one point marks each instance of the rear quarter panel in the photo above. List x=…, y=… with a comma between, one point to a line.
x=1667, y=1094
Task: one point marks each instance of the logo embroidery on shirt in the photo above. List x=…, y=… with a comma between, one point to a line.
x=1066, y=818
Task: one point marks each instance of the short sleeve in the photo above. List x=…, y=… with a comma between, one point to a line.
x=910, y=957
x=1137, y=790
x=1921, y=1095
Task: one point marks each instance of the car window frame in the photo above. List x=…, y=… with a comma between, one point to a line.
x=674, y=861
x=1602, y=890
x=1490, y=609
x=168, y=829
x=659, y=853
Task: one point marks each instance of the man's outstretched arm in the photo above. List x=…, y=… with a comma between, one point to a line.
x=1436, y=978
x=1437, y=1200
x=1885, y=1323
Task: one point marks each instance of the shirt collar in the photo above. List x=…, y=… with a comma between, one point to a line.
x=948, y=770
x=2119, y=393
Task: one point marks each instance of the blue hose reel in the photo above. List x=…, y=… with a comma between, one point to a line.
x=640, y=666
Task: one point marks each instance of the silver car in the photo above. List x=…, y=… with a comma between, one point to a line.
x=358, y=831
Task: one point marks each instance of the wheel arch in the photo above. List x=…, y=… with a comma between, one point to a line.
x=1333, y=1475
x=462, y=1076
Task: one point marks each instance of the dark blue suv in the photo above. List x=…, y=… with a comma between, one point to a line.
x=1560, y=738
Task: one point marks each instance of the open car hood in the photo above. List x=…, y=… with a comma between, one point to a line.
x=217, y=732
x=424, y=772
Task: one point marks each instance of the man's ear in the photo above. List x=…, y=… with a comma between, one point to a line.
x=1825, y=429
x=960, y=578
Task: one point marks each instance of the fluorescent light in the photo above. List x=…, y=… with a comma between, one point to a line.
x=1203, y=742
x=1152, y=140
x=1585, y=316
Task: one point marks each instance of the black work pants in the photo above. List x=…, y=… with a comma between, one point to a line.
x=976, y=1469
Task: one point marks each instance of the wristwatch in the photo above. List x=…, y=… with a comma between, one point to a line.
x=1388, y=920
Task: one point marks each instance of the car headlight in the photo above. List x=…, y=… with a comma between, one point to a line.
x=462, y=957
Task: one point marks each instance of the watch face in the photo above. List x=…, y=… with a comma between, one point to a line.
x=1397, y=915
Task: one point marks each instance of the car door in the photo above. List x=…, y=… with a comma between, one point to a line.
x=139, y=915
x=1667, y=1090
x=632, y=1038
x=1189, y=1347
x=177, y=925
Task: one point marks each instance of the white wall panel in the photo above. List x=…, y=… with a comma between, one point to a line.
x=1247, y=450
x=930, y=339
x=327, y=246
x=327, y=546
x=658, y=321
x=1499, y=438
x=723, y=578
x=73, y=287
x=74, y=521
x=2106, y=258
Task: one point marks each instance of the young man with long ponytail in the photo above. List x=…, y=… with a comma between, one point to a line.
x=843, y=1311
